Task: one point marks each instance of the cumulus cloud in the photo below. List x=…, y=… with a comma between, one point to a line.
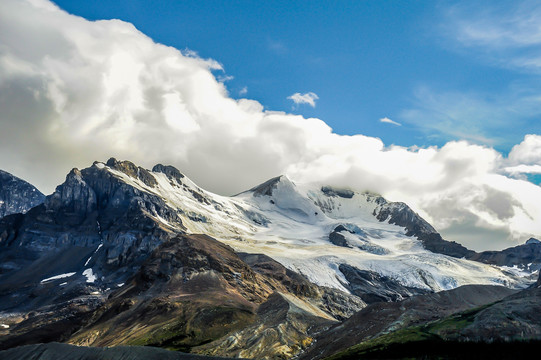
x=74, y=91
x=389, y=121
x=308, y=98
x=528, y=152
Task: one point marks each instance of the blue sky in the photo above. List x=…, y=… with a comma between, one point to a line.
x=412, y=62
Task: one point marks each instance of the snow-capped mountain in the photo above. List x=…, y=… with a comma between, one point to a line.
x=292, y=223
x=116, y=242
x=295, y=224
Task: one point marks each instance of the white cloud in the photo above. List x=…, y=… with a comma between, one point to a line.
x=507, y=34
x=243, y=91
x=475, y=116
x=523, y=169
x=389, y=121
x=224, y=78
x=74, y=91
x=527, y=152
x=308, y=98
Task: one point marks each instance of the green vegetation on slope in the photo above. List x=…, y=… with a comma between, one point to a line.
x=435, y=341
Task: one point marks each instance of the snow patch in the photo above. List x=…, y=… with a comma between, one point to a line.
x=56, y=277
x=515, y=270
x=90, y=277
x=95, y=251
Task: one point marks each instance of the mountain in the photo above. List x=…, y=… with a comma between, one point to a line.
x=16, y=195
x=122, y=255
x=507, y=328
x=526, y=257
x=387, y=317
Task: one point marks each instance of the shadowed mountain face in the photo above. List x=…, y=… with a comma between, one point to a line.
x=193, y=290
x=526, y=256
x=508, y=328
x=93, y=231
x=16, y=195
x=385, y=317
x=402, y=215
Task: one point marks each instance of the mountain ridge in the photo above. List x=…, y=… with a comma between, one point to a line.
x=116, y=241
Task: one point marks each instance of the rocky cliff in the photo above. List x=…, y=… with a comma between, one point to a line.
x=16, y=195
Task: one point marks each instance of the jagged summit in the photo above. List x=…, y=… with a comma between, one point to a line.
x=170, y=171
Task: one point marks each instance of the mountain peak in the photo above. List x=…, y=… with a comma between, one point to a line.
x=170, y=171
x=17, y=195
x=132, y=170
x=267, y=188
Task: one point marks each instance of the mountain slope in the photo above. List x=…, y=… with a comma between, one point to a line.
x=16, y=195
x=384, y=318
x=526, y=257
x=508, y=328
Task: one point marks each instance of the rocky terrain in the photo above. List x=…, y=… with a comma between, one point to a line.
x=16, y=195
x=121, y=255
x=526, y=256
x=387, y=317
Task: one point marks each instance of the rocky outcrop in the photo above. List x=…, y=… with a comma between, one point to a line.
x=96, y=225
x=526, y=256
x=337, y=303
x=338, y=239
x=16, y=195
x=514, y=318
x=402, y=215
x=266, y=188
x=343, y=193
x=372, y=287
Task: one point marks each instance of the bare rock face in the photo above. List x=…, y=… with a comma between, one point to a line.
x=372, y=287
x=402, y=215
x=16, y=195
x=96, y=226
x=526, y=256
